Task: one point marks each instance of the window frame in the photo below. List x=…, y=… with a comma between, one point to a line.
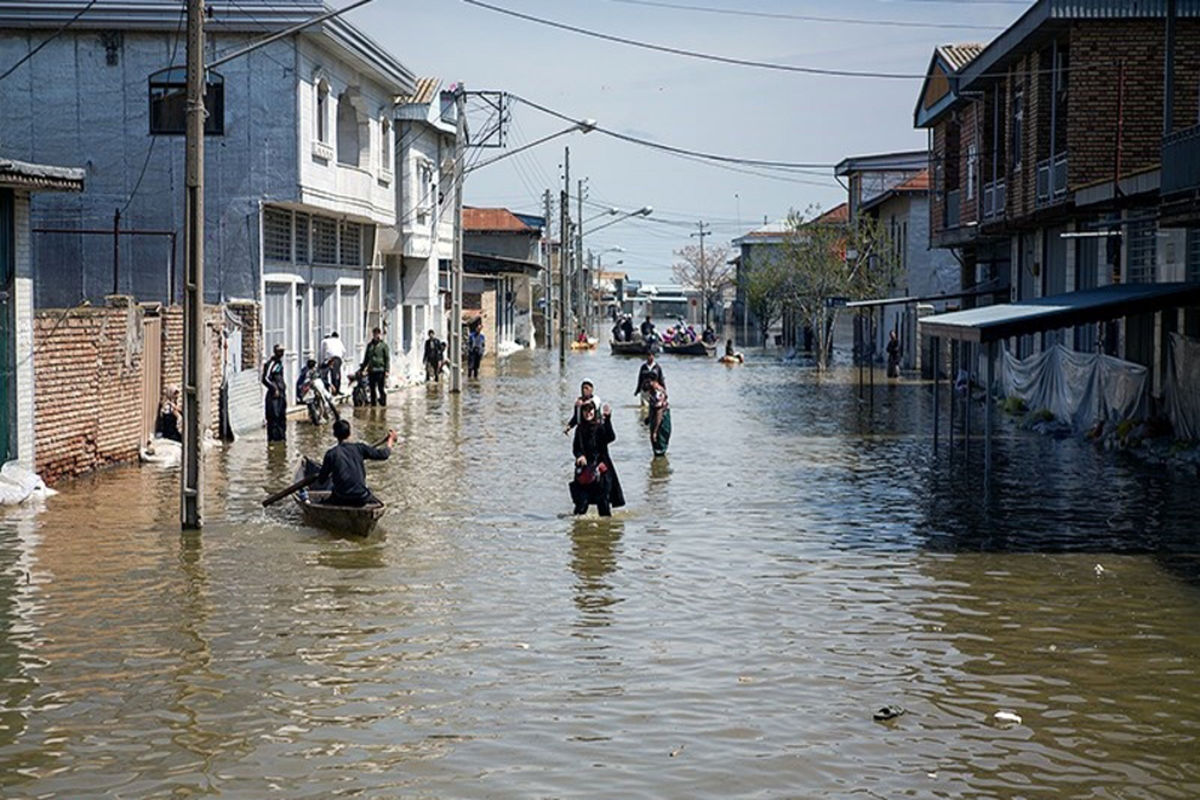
x=171, y=83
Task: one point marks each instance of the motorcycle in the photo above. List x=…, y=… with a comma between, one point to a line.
x=360, y=393
x=314, y=394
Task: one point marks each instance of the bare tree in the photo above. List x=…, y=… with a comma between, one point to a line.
x=830, y=262
x=704, y=270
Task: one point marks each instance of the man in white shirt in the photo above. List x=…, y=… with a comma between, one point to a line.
x=332, y=353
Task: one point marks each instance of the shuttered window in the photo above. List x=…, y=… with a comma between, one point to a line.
x=324, y=239
x=277, y=234
x=302, y=247
x=351, y=244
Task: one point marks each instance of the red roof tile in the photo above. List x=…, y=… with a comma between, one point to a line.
x=839, y=213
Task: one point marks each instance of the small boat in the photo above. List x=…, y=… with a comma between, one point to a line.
x=590, y=344
x=696, y=348
x=348, y=520
x=732, y=360
x=638, y=347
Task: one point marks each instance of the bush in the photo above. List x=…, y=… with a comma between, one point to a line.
x=1043, y=415
x=1014, y=405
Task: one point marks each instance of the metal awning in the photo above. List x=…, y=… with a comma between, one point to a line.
x=931, y=298
x=993, y=323
x=491, y=266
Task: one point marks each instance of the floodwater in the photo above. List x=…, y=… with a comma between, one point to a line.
x=799, y=560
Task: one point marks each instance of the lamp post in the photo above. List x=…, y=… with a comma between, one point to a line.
x=644, y=211
x=595, y=288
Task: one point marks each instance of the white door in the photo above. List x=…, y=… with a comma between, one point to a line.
x=279, y=326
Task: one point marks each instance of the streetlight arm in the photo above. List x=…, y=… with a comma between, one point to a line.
x=644, y=211
x=586, y=126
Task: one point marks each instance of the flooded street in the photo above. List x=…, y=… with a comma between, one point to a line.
x=797, y=562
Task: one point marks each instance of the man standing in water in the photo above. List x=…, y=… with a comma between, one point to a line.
x=276, y=400
x=377, y=361
x=649, y=370
x=433, y=358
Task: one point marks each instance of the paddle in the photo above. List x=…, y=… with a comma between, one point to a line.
x=304, y=482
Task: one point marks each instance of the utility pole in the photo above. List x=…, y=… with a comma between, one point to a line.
x=564, y=249
x=547, y=276
x=195, y=385
x=456, y=271
x=703, y=273
x=580, y=269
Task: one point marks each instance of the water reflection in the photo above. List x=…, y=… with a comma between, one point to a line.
x=800, y=559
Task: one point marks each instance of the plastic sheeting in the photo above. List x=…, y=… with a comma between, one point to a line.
x=1182, y=388
x=1078, y=388
x=18, y=484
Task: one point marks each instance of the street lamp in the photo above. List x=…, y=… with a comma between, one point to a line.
x=460, y=173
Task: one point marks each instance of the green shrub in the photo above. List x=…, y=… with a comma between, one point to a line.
x=1014, y=405
x=1043, y=415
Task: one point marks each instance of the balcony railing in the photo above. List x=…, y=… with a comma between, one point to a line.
x=1181, y=161
x=995, y=198
x=1052, y=179
x=952, y=212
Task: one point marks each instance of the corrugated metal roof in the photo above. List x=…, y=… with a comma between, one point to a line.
x=492, y=219
x=40, y=176
x=958, y=56
x=425, y=92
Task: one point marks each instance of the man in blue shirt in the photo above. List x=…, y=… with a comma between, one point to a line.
x=475, y=344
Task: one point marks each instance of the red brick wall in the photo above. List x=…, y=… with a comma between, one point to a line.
x=88, y=380
x=87, y=401
x=1094, y=80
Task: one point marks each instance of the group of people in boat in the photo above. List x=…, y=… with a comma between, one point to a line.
x=595, y=480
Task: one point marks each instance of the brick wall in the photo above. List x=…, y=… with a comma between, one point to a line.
x=1093, y=87
x=87, y=405
x=88, y=371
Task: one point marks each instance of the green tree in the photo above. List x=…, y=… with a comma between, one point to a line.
x=763, y=283
x=829, y=262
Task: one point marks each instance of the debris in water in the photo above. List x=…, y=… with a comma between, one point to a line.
x=888, y=712
x=678, y=750
x=1099, y=570
x=1007, y=718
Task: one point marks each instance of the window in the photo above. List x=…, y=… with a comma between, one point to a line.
x=324, y=240
x=350, y=322
x=972, y=170
x=322, y=115
x=1018, y=126
x=347, y=131
x=351, y=244
x=302, y=248
x=1142, y=249
x=385, y=144
x=168, y=103
x=277, y=234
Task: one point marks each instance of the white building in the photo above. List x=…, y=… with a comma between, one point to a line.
x=422, y=239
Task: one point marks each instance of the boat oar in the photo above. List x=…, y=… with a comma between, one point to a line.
x=300, y=484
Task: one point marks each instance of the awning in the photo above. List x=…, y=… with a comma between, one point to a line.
x=930, y=298
x=490, y=266
x=993, y=323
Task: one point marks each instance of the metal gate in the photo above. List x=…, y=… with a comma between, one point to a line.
x=151, y=374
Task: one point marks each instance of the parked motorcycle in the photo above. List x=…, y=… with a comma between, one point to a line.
x=360, y=393
x=314, y=393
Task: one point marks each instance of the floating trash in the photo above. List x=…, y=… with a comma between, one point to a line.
x=888, y=712
x=1007, y=718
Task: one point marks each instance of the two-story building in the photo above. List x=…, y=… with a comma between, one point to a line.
x=893, y=189
x=422, y=241
x=299, y=157
x=1046, y=147
x=501, y=262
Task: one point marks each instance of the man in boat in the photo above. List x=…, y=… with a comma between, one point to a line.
x=344, y=467
x=627, y=328
x=647, y=328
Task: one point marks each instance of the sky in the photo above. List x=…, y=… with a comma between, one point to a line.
x=698, y=105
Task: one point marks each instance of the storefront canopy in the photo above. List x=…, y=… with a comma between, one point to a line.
x=491, y=266
x=993, y=323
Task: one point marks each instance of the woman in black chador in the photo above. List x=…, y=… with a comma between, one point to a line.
x=595, y=476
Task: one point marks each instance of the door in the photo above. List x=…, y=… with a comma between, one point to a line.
x=152, y=388
x=279, y=326
x=8, y=329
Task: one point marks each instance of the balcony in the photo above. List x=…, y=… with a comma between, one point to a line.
x=1181, y=161
x=995, y=199
x=1052, y=180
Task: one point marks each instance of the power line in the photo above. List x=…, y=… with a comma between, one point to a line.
x=47, y=40
x=841, y=73
x=752, y=162
x=810, y=18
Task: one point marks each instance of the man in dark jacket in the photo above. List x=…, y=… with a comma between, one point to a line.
x=377, y=362
x=344, y=466
x=433, y=357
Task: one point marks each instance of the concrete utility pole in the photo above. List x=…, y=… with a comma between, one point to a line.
x=456, y=272
x=547, y=276
x=580, y=270
x=703, y=273
x=195, y=385
x=564, y=249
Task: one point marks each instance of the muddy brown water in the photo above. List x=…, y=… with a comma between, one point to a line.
x=798, y=561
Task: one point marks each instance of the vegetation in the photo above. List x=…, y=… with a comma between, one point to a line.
x=706, y=271
x=764, y=284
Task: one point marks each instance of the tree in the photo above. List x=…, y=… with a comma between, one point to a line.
x=829, y=262
x=763, y=285
x=706, y=271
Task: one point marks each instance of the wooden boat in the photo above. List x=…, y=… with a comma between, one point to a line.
x=638, y=347
x=696, y=348
x=348, y=520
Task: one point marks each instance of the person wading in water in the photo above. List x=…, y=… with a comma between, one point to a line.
x=596, y=479
x=276, y=400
